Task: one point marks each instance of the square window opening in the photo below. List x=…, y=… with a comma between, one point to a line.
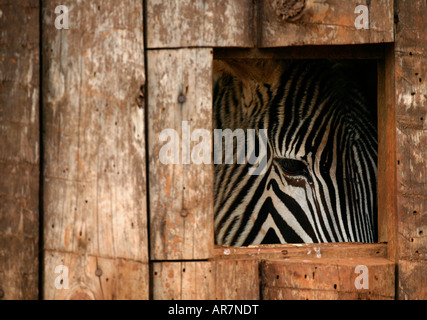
x=296, y=145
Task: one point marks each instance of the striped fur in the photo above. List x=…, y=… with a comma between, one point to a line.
x=320, y=184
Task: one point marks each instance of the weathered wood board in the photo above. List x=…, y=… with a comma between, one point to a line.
x=386, y=173
x=264, y=23
x=199, y=23
x=411, y=280
x=181, y=193
x=303, y=250
x=328, y=279
x=94, y=198
x=93, y=278
x=19, y=149
x=324, y=23
x=411, y=131
x=206, y=280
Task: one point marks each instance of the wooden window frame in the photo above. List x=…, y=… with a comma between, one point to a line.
x=383, y=53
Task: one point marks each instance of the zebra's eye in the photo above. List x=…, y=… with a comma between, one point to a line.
x=294, y=167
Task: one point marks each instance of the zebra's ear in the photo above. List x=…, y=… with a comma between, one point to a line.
x=229, y=67
x=240, y=69
x=250, y=71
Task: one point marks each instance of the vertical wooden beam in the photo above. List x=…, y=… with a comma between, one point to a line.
x=411, y=134
x=19, y=149
x=387, y=185
x=95, y=219
x=181, y=192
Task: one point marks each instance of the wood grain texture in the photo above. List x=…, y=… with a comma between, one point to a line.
x=321, y=250
x=206, y=280
x=325, y=279
x=411, y=117
x=181, y=195
x=19, y=149
x=94, y=141
x=245, y=23
x=95, y=278
x=200, y=23
x=411, y=280
x=386, y=173
x=326, y=23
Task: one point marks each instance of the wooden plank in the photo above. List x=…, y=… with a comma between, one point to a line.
x=322, y=250
x=206, y=280
x=324, y=23
x=308, y=294
x=324, y=278
x=386, y=174
x=19, y=149
x=412, y=242
x=181, y=193
x=93, y=278
x=200, y=23
x=411, y=280
x=237, y=280
x=411, y=136
x=183, y=280
x=366, y=51
x=94, y=197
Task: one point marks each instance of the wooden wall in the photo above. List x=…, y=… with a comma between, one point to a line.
x=129, y=227
x=94, y=168
x=410, y=54
x=180, y=39
x=181, y=197
x=19, y=149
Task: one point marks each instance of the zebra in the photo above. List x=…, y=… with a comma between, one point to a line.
x=320, y=184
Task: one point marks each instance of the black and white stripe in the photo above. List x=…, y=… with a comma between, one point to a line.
x=320, y=183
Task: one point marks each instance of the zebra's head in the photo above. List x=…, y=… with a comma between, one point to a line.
x=321, y=151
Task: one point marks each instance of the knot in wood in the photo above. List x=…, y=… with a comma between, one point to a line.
x=140, y=98
x=289, y=9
